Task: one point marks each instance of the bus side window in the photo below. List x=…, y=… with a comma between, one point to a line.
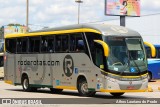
x=90, y=39
x=11, y=45
x=44, y=44
x=58, y=43
x=21, y=45
x=51, y=44
x=72, y=42
x=34, y=44
x=99, y=55
x=79, y=44
x=65, y=47
x=24, y=45
x=37, y=45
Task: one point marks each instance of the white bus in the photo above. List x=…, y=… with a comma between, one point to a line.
x=88, y=58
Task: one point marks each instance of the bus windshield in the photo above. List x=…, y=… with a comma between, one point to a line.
x=126, y=55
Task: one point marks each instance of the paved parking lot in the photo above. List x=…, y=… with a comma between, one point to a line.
x=155, y=84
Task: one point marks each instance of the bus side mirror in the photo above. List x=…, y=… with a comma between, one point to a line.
x=153, y=49
x=105, y=47
x=102, y=66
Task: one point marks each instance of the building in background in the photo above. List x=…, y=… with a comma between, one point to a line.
x=14, y=29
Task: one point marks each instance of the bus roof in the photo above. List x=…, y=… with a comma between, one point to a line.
x=104, y=29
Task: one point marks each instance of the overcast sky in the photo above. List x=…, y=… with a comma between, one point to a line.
x=53, y=13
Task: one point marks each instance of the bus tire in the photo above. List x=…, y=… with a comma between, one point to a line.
x=83, y=88
x=25, y=84
x=53, y=90
x=117, y=94
x=149, y=76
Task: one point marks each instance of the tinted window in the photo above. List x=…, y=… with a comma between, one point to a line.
x=44, y=44
x=34, y=44
x=47, y=44
x=65, y=43
x=22, y=45
x=58, y=43
x=61, y=43
x=90, y=38
x=99, y=55
x=51, y=44
x=72, y=42
x=76, y=43
x=11, y=45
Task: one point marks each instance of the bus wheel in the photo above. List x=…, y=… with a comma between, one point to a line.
x=149, y=76
x=25, y=84
x=83, y=88
x=53, y=90
x=116, y=94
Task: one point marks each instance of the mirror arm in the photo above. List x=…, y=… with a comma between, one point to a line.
x=105, y=47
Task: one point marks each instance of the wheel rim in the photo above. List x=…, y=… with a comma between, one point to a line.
x=25, y=84
x=84, y=87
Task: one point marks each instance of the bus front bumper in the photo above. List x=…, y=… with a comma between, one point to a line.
x=113, y=86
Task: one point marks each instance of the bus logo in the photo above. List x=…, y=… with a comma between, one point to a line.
x=68, y=65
